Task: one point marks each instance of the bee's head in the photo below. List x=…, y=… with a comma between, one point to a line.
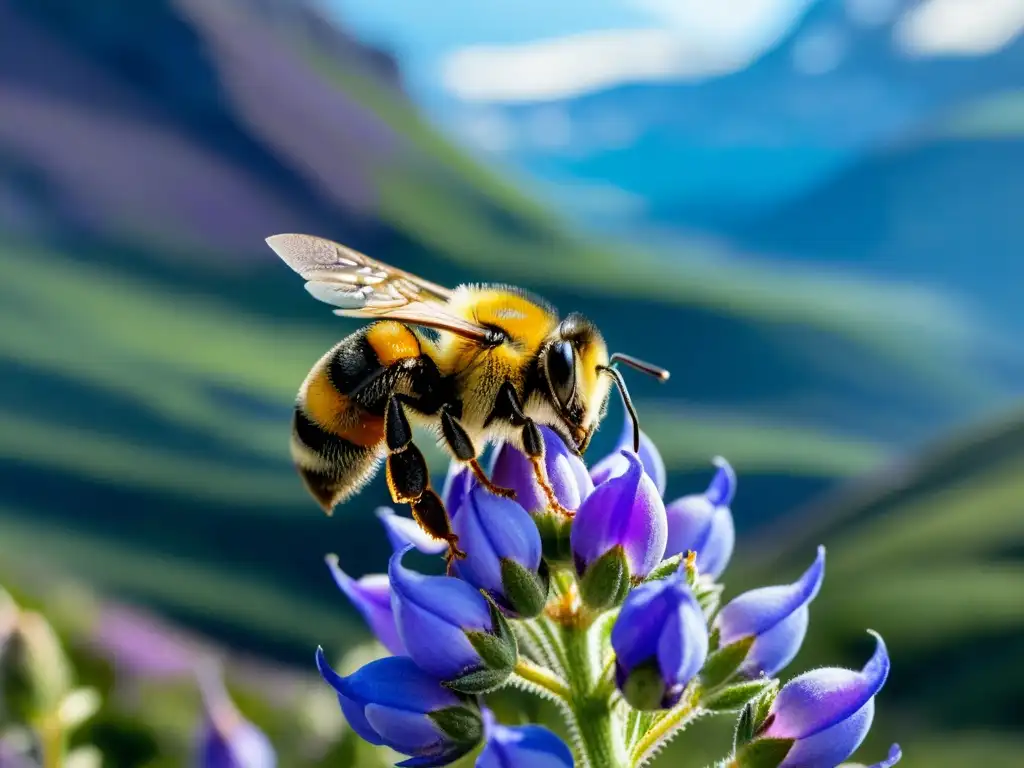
x=579, y=374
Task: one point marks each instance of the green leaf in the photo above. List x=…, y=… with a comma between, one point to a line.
x=763, y=753
x=763, y=705
x=735, y=696
x=666, y=568
x=499, y=654
x=723, y=663
x=606, y=581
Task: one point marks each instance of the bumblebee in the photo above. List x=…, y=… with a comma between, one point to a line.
x=478, y=364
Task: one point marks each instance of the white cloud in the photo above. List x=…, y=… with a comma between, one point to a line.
x=566, y=66
x=686, y=40
x=960, y=27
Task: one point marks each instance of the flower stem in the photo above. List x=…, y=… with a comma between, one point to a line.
x=51, y=737
x=663, y=727
x=542, y=678
x=594, y=723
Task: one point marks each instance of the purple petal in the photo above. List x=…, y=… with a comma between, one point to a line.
x=696, y=524
x=722, y=488
x=457, y=483
x=830, y=747
x=895, y=755
x=371, y=595
x=614, y=465
x=637, y=628
x=403, y=531
x=759, y=610
x=228, y=740
x=776, y=648
x=624, y=511
x=526, y=745
x=394, y=681
x=817, y=700
x=566, y=472
x=490, y=529
x=683, y=644
x=433, y=614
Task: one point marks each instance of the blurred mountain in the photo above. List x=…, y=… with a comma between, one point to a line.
x=151, y=345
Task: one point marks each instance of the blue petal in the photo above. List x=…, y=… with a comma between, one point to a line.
x=683, y=641
x=371, y=595
x=895, y=755
x=637, y=628
x=433, y=614
x=830, y=747
x=527, y=745
x=722, y=488
x=817, y=700
x=757, y=611
x=566, y=473
x=228, y=740
x=773, y=650
x=394, y=681
x=614, y=465
x=491, y=529
x=457, y=483
x=353, y=712
x=412, y=733
x=403, y=531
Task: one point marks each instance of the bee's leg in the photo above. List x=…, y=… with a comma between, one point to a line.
x=409, y=481
x=510, y=408
x=461, y=446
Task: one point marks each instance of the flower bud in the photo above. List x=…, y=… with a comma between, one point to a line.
x=371, y=596
x=614, y=465
x=661, y=641
x=226, y=739
x=503, y=553
x=826, y=713
x=525, y=745
x=776, y=617
x=618, y=536
x=702, y=523
x=394, y=703
x=402, y=531
x=35, y=675
x=450, y=629
x=566, y=472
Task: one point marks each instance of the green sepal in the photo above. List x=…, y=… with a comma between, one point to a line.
x=497, y=650
x=555, y=531
x=461, y=724
x=709, y=596
x=605, y=583
x=525, y=591
x=723, y=663
x=764, y=753
x=763, y=705
x=644, y=688
x=666, y=568
x=744, y=726
x=735, y=696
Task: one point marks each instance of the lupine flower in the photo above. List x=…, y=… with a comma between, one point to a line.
x=660, y=641
x=566, y=472
x=392, y=702
x=702, y=523
x=503, y=552
x=402, y=531
x=450, y=629
x=371, y=596
x=226, y=739
x=613, y=464
x=618, y=535
x=776, y=617
x=827, y=712
x=525, y=745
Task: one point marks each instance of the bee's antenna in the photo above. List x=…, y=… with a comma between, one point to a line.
x=640, y=365
x=626, y=400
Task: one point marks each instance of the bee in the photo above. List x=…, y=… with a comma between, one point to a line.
x=479, y=364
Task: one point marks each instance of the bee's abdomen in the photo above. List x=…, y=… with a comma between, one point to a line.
x=338, y=424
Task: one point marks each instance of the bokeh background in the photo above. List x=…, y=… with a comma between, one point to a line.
x=810, y=210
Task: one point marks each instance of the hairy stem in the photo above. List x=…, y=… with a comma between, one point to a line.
x=595, y=725
x=543, y=678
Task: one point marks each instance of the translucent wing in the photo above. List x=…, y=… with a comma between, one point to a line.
x=364, y=287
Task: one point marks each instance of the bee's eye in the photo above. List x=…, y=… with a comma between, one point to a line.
x=561, y=365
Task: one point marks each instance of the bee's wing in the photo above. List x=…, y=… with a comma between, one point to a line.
x=364, y=287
